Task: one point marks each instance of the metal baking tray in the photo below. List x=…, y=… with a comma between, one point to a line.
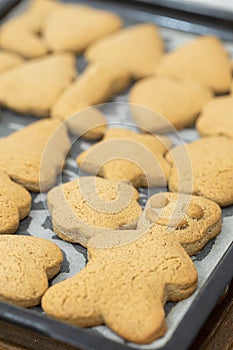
x=32, y=328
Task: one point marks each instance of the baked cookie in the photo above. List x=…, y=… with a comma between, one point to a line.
x=82, y=208
x=179, y=102
x=194, y=220
x=97, y=84
x=34, y=155
x=217, y=117
x=203, y=60
x=15, y=204
x=138, y=49
x=143, y=269
x=22, y=34
x=26, y=265
x=9, y=60
x=127, y=155
x=34, y=86
x=211, y=171
x=73, y=27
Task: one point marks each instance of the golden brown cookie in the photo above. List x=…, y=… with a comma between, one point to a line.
x=97, y=84
x=194, y=220
x=138, y=49
x=34, y=86
x=203, y=60
x=22, y=34
x=15, y=204
x=179, y=102
x=73, y=27
x=217, y=117
x=126, y=155
x=34, y=155
x=9, y=60
x=82, y=208
x=211, y=171
x=126, y=286
x=26, y=265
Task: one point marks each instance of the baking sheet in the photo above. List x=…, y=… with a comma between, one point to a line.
x=38, y=223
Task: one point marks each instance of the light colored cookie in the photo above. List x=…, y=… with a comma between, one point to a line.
x=9, y=60
x=73, y=27
x=22, y=34
x=179, y=102
x=211, y=170
x=194, y=220
x=26, y=264
x=34, y=86
x=82, y=208
x=138, y=48
x=143, y=269
x=34, y=155
x=97, y=84
x=126, y=155
x=15, y=204
x=126, y=286
x=203, y=60
x=217, y=117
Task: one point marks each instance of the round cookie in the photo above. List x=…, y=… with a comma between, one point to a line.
x=217, y=117
x=179, y=102
x=211, y=172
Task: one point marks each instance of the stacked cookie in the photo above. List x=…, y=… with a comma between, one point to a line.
x=101, y=212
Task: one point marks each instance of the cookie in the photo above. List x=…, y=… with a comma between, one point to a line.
x=26, y=265
x=97, y=84
x=82, y=208
x=203, y=60
x=34, y=86
x=9, y=60
x=211, y=170
x=34, y=155
x=73, y=27
x=126, y=286
x=22, y=34
x=194, y=220
x=126, y=155
x=138, y=49
x=217, y=117
x=15, y=204
x=179, y=102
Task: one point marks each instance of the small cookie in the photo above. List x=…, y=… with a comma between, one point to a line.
x=22, y=34
x=203, y=60
x=9, y=60
x=137, y=48
x=126, y=286
x=73, y=27
x=126, y=155
x=34, y=86
x=217, y=117
x=84, y=207
x=34, y=155
x=211, y=170
x=97, y=84
x=177, y=101
x=15, y=204
x=26, y=264
x=194, y=220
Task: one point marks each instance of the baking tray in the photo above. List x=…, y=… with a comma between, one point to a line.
x=214, y=263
